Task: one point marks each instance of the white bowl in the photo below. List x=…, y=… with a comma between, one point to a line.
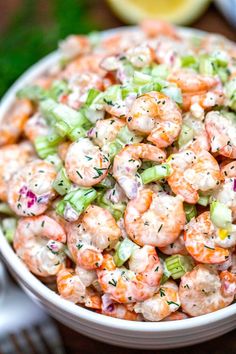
x=141, y=335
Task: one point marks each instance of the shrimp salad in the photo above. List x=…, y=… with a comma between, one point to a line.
x=118, y=173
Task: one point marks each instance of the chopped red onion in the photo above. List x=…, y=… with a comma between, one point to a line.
x=234, y=188
x=70, y=214
x=107, y=303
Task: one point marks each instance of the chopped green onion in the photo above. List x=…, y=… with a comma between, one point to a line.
x=62, y=183
x=9, y=228
x=185, y=135
x=47, y=145
x=178, y=265
x=5, y=209
x=124, y=251
x=203, y=200
x=190, y=211
x=55, y=161
x=155, y=173
x=77, y=200
x=221, y=215
x=174, y=93
x=33, y=93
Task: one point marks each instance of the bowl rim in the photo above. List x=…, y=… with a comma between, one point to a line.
x=41, y=291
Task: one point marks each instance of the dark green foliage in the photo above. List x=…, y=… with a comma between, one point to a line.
x=27, y=38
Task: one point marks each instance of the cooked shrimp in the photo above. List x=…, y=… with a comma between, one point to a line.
x=120, y=42
x=88, y=63
x=192, y=173
x=36, y=126
x=30, y=190
x=157, y=116
x=140, y=56
x=105, y=131
x=12, y=158
x=63, y=149
x=95, y=231
x=162, y=304
x=85, y=163
x=75, y=45
x=198, y=103
x=221, y=129
x=39, y=242
x=72, y=288
x=122, y=311
x=203, y=290
x=154, y=28
x=176, y=316
x=177, y=247
x=79, y=85
x=138, y=283
x=127, y=162
x=226, y=193
x=191, y=82
x=13, y=122
x=155, y=219
x=202, y=241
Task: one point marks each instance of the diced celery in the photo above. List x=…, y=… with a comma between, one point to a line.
x=106, y=183
x=124, y=251
x=190, y=211
x=189, y=61
x=47, y=145
x=160, y=71
x=55, y=160
x=5, y=209
x=62, y=183
x=66, y=118
x=9, y=228
x=92, y=94
x=58, y=88
x=155, y=173
x=78, y=199
x=174, y=93
x=203, y=200
x=140, y=78
x=117, y=209
x=221, y=215
x=33, y=93
x=185, y=135
x=178, y=265
x=206, y=65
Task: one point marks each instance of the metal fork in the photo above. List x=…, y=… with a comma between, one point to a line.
x=38, y=339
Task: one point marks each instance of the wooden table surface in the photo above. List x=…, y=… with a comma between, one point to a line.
x=75, y=343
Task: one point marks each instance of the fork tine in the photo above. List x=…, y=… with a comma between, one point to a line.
x=47, y=338
x=36, y=340
x=20, y=344
x=31, y=343
x=7, y=346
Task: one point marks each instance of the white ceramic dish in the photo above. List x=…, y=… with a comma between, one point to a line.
x=148, y=335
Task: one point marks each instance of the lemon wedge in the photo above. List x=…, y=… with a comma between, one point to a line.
x=179, y=12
